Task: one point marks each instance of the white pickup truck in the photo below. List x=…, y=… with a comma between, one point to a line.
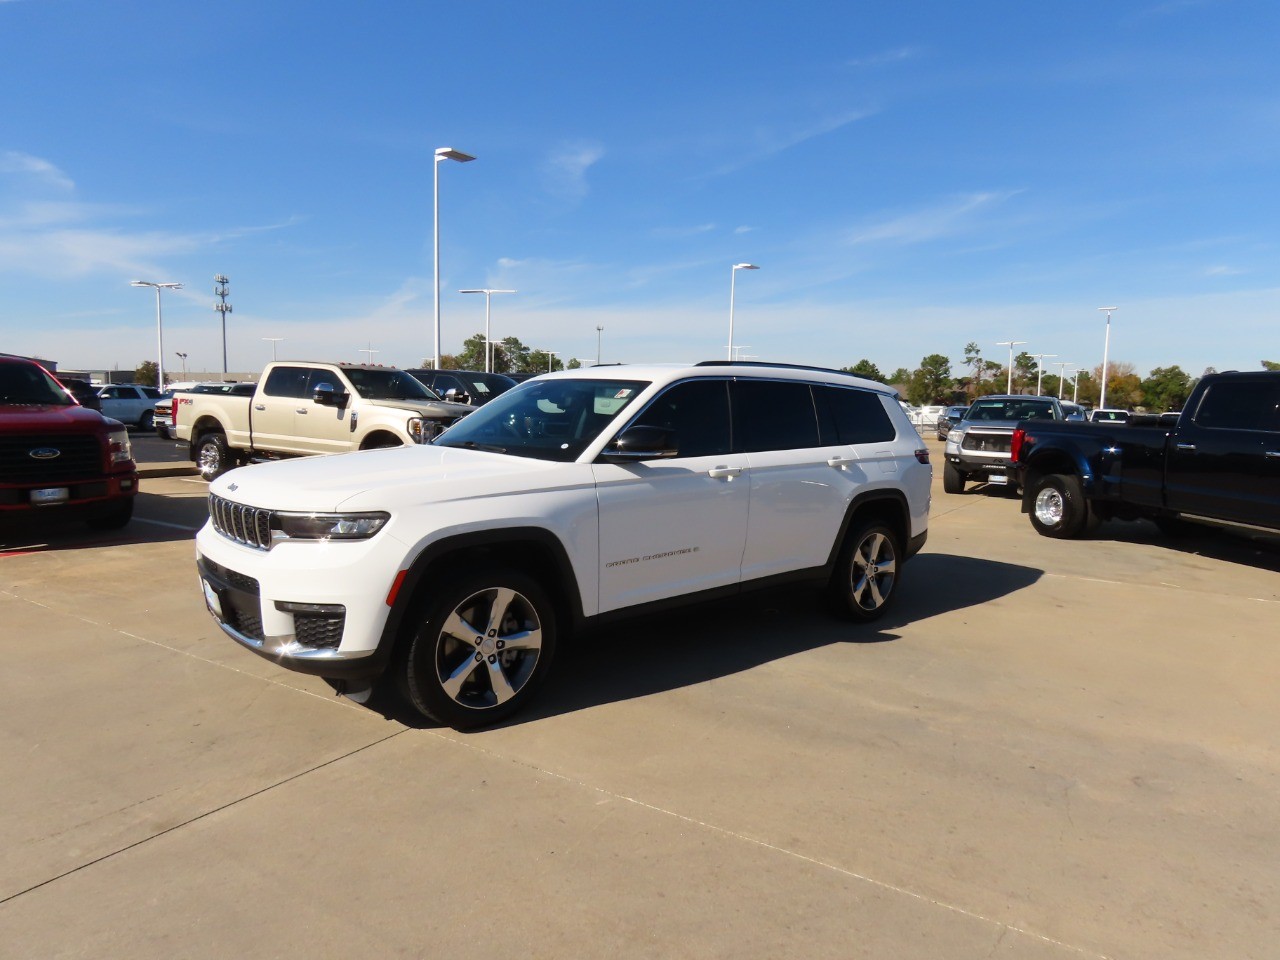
x=301, y=408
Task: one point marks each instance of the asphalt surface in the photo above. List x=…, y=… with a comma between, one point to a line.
x=1048, y=750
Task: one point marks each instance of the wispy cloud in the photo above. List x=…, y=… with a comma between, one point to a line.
x=896, y=55
x=770, y=141
x=565, y=170
x=13, y=161
x=956, y=215
x=1222, y=270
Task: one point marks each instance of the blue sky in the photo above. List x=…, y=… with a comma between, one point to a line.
x=909, y=177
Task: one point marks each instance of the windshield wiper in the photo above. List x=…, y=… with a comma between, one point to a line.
x=472, y=445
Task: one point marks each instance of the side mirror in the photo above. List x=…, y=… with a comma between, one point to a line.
x=642, y=443
x=327, y=396
x=454, y=395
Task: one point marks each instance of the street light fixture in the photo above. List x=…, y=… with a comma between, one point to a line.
x=370, y=351
x=1106, y=348
x=488, y=363
x=1010, y=344
x=183, y=357
x=1062, y=374
x=159, y=324
x=274, y=341
x=733, y=276
x=1040, y=365
x=442, y=154
x=551, y=361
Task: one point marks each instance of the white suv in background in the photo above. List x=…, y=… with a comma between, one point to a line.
x=452, y=568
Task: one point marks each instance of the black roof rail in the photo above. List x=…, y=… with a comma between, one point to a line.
x=760, y=363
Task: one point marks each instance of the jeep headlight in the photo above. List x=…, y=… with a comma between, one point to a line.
x=331, y=526
x=118, y=442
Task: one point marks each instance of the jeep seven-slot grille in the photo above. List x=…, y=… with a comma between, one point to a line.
x=235, y=521
x=78, y=457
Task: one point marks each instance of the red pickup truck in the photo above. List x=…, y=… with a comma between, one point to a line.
x=59, y=460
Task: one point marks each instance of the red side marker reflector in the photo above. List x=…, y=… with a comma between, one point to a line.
x=395, y=587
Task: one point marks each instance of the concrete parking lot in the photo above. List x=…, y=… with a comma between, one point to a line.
x=1048, y=750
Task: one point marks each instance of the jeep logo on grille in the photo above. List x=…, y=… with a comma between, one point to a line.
x=44, y=453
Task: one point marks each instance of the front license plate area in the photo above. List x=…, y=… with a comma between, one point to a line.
x=211, y=599
x=50, y=495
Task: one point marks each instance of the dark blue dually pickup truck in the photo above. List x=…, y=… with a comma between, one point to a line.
x=1219, y=465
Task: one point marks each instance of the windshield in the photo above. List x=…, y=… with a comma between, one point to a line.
x=1012, y=408
x=387, y=385
x=26, y=383
x=544, y=419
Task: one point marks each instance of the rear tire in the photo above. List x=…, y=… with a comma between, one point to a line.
x=1058, y=507
x=865, y=581
x=952, y=479
x=485, y=644
x=213, y=458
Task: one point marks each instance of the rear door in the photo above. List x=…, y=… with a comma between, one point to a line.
x=1224, y=460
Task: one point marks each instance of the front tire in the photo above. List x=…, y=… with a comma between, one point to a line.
x=865, y=581
x=952, y=479
x=1058, y=507
x=147, y=420
x=213, y=458
x=484, y=645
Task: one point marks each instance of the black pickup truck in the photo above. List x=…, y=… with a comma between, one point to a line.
x=1220, y=464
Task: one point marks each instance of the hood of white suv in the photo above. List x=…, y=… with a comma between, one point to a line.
x=401, y=476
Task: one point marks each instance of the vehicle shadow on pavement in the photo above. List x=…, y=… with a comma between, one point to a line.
x=656, y=654
x=155, y=520
x=1258, y=550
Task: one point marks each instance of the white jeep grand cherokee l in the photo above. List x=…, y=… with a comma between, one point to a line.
x=451, y=569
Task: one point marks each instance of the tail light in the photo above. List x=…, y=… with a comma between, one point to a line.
x=923, y=455
x=1015, y=445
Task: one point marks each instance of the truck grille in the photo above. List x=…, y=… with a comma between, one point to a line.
x=235, y=521
x=987, y=442
x=79, y=457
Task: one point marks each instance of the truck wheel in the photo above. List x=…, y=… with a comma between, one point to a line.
x=1058, y=507
x=865, y=580
x=484, y=645
x=213, y=459
x=952, y=479
x=114, y=520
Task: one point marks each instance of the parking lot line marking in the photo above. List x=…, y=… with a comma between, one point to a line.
x=163, y=523
x=724, y=831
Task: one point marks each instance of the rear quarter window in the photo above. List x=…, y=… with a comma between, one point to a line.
x=854, y=416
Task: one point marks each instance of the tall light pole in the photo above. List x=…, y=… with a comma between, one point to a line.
x=1040, y=369
x=274, y=341
x=223, y=308
x=1106, y=348
x=551, y=361
x=487, y=294
x=1010, y=344
x=1075, y=386
x=1062, y=374
x=733, y=276
x=442, y=154
x=183, y=357
x=599, y=339
x=159, y=324
x=370, y=351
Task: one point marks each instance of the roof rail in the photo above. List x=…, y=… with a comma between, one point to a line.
x=760, y=363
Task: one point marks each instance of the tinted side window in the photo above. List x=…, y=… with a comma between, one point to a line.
x=857, y=416
x=773, y=415
x=698, y=412
x=1241, y=405
x=287, y=382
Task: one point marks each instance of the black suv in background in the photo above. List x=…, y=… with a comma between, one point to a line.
x=464, y=386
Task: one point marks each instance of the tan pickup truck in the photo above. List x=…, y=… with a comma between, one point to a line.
x=300, y=409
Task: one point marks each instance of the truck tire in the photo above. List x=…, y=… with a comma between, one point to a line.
x=864, y=582
x=952, y=479
x=213, y=458
x=1058, y=507
x=484, y=643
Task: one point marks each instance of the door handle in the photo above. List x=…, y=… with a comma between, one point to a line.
x=841, y=461
x=727, y=473
x=300, y=410
x=1188, y=447
x=259, y=406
